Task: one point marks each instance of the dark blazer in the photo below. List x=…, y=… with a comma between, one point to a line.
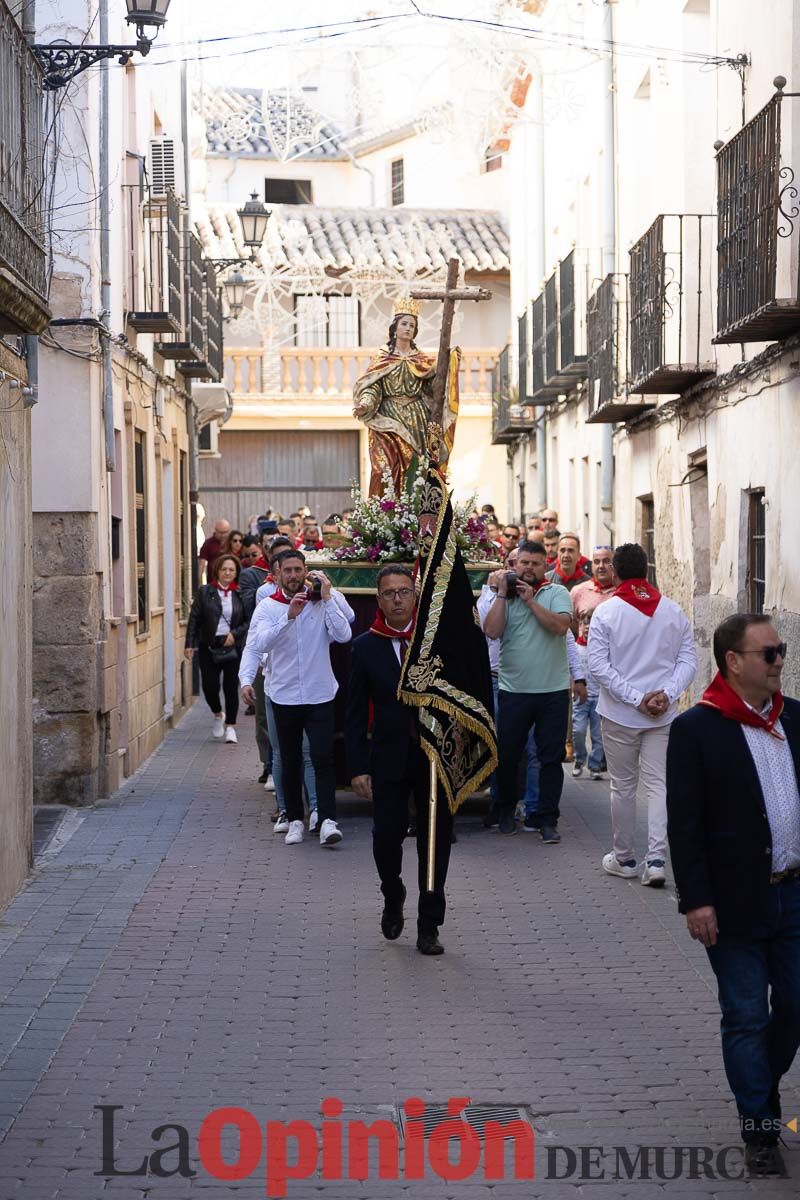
x=719, y=833
x=204, y=616
x=374, y=676
x=250, y=581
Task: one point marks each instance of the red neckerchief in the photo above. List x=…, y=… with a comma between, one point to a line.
x=232, y=587
x=279, y=596
x=551, y=562
x=608, y=588
x=720, y=695
x=578, y=573
x=380, y=627
x=262, y=563
x=640, y=594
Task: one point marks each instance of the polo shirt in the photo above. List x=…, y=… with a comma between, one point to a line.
x=531, y=659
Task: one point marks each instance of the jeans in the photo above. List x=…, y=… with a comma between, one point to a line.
x=317, y=721
x=546, y=714
x=758, y=979
x=210, y=674
x=531, y=775
x=309, y=778
x=585, y=714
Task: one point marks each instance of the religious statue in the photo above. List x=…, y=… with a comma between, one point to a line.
x=394, y=399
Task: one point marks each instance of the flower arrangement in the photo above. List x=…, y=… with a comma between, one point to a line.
x=385, y=528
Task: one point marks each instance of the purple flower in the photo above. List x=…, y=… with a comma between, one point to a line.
x=372, y=553
x=388, y=505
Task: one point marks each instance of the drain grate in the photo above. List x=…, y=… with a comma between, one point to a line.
x=475, y=1115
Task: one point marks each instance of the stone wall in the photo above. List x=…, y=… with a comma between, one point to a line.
x=16, y=811
x=67, y=658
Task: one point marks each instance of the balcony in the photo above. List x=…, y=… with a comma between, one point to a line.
x=153, y=268
x=301, y=373
x=607, y=346
x=559, y=350
x=23, y=260
x=670, y=315
x=190, y=341
x=509, y=419
x=758, y=291
x=207, y=331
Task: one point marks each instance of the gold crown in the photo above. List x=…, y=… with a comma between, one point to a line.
x=406, y=306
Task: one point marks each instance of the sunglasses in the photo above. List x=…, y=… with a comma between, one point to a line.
x=769, y=653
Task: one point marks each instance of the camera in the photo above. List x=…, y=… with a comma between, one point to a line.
x=315, y=590
x=511, y=585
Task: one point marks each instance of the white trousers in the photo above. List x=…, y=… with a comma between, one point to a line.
x=634, y=756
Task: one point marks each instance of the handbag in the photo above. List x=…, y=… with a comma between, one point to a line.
x=224, y=654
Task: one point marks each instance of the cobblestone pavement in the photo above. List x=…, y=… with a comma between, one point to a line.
x=172, y=956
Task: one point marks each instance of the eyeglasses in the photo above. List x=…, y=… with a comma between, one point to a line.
x=769, y=653
x=397, y=593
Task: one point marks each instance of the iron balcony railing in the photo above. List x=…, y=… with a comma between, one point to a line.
x=758, y=288
x=208, y=364
x=607, y=357
x=559, y=350
x=189, y=345
x=509, y=418
x=671, y=315
x=154, y=272
x=23, y=259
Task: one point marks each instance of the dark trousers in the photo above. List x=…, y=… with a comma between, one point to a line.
x=210, y=675
x=390, y=822
x=262, y=732
x=759, y=994
x=317, y=721
x=547, y=713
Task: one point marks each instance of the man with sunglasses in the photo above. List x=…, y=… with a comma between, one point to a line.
x=733, y=803
x=391, y=765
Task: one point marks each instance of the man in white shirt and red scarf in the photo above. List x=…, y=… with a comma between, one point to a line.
x=391, y=765
x=642, y=655
x=733, y=802
x=585, y=599
x=297, y=625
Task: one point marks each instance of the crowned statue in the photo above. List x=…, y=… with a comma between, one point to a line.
x=394, y=399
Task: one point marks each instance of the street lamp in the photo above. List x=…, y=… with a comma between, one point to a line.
x=254, y=217
x=234, y=286
x=61, y=61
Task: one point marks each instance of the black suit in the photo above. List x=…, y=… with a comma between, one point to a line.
x=721, y=845
x=398, y=767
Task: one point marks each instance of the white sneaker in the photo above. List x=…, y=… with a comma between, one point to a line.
x=654, y=874
x=614, y=867
x=329, y=833
x=230, y=736
x=269, y=786
x=282, y=823
x=313, y=820
x=595, y=775
x=219, y=727
x=295, y=833
x=577, y=770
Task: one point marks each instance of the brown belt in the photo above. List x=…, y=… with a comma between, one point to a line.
x=782, y=876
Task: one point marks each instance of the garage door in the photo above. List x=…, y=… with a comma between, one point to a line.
x=281, y=470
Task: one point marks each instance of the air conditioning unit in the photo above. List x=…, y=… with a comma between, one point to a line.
x=161, y=167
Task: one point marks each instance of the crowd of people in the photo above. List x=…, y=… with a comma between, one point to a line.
x=589, y=662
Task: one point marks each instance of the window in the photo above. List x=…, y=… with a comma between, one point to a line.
x=288, y=191
x=183, y=533
x=140, y=482
x=756, y=550
x=398, y=182
x=648, y=519
x=327, y=321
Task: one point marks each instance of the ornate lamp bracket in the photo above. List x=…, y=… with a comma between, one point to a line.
x=61, y=62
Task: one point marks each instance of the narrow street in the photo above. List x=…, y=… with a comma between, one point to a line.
x=173, y=956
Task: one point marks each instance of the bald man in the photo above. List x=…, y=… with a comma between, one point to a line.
x=212, y=546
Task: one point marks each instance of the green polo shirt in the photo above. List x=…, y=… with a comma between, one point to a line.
x=531, y=659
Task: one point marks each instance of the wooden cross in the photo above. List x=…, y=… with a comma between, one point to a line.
x=449, y=296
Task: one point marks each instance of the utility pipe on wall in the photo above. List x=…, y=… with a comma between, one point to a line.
x=609, y=243
x=105, y=249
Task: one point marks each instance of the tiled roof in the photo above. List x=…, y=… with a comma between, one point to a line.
x=401, y=241
x=249, y=121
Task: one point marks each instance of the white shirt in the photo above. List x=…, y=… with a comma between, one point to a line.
x=300, y=669
x=630, y=654
x=251, y=661
x=224, y=623
x=485, y=602
x=776, y=773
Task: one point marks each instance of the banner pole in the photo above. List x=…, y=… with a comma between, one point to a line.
x=432, y=804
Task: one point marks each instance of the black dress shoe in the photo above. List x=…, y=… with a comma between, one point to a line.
x=508, y=823
x=428, y=943
x=392, y=919
x=264, y=776
x=761, y=1161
